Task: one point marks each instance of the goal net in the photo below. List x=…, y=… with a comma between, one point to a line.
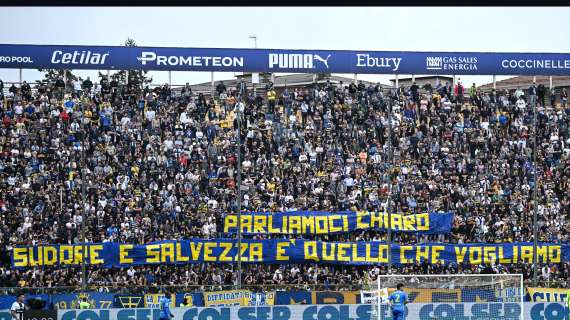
x=497, y=289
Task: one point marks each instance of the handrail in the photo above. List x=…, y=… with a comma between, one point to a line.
x=116, y=287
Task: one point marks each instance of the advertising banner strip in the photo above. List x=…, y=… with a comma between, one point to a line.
x=282, y=60
x=323, y=222
x=285, y=251
x=238, y=297
x=548, y=294
x=416, y=311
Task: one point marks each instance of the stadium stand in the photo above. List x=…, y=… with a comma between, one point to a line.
x=162, y=165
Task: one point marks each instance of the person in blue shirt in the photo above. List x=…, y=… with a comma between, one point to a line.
x=165, y=313
x=398, y=300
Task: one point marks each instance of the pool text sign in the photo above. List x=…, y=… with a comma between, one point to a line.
x=280, y=60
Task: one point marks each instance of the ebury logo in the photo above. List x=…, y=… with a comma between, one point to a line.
x=79, y=57
x=366, y=60
x=452, y=63
x=196, y=61
x=15, y=59
x=296, y=60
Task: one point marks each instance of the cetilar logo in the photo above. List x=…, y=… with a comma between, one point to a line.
x=78, y=57
x=296, y=60
x=196, y=61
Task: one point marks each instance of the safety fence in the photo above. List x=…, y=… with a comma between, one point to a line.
x=256, y=296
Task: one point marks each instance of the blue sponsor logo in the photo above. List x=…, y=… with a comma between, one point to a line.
x=363, y=312
x=479, y=311
x=78, y=57
x=264, y=313
x=549, y=311
x=123, y=314
x=86, y=315
x=297, y=60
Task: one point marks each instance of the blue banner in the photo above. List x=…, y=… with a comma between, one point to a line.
x=291, y=297
x=415, y=311
x=95, y=299
x=320, y=222
x=279, y=60
x=6, y=301
x=282, y=251
x=196, y=299
x=128, y=301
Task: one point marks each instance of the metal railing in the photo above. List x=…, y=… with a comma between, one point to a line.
x=142, y=289
x=120, y=288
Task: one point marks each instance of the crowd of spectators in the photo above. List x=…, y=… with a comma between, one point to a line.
x=161, y=164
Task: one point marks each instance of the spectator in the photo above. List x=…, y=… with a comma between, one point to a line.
x=552, y=97
x=414, y=90
x=352, y=88
x=13, y=90
x=164, y=166
x=221, y=87
x=271, y=96
x=59, y=88
x=519, y=93
x=77, y=87
x=541, y=92
x=532, y=92
x=472, y=93
x=87, y=85
x=521, y=104
x=459, y=92
x=26, y=91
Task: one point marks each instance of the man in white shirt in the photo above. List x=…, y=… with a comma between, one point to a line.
x=150, y=115
x=77, y=87
x=521, y=104
x=18, y=307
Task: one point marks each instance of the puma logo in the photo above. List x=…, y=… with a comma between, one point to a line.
x=325, y=61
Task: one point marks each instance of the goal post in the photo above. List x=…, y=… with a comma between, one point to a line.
x=468, y=289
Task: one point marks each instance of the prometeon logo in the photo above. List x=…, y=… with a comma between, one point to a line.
x=196, y=61
x=451, y=63
x=296, y=60
x=78, y=57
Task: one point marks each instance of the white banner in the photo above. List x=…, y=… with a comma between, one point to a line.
x=415, y=311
